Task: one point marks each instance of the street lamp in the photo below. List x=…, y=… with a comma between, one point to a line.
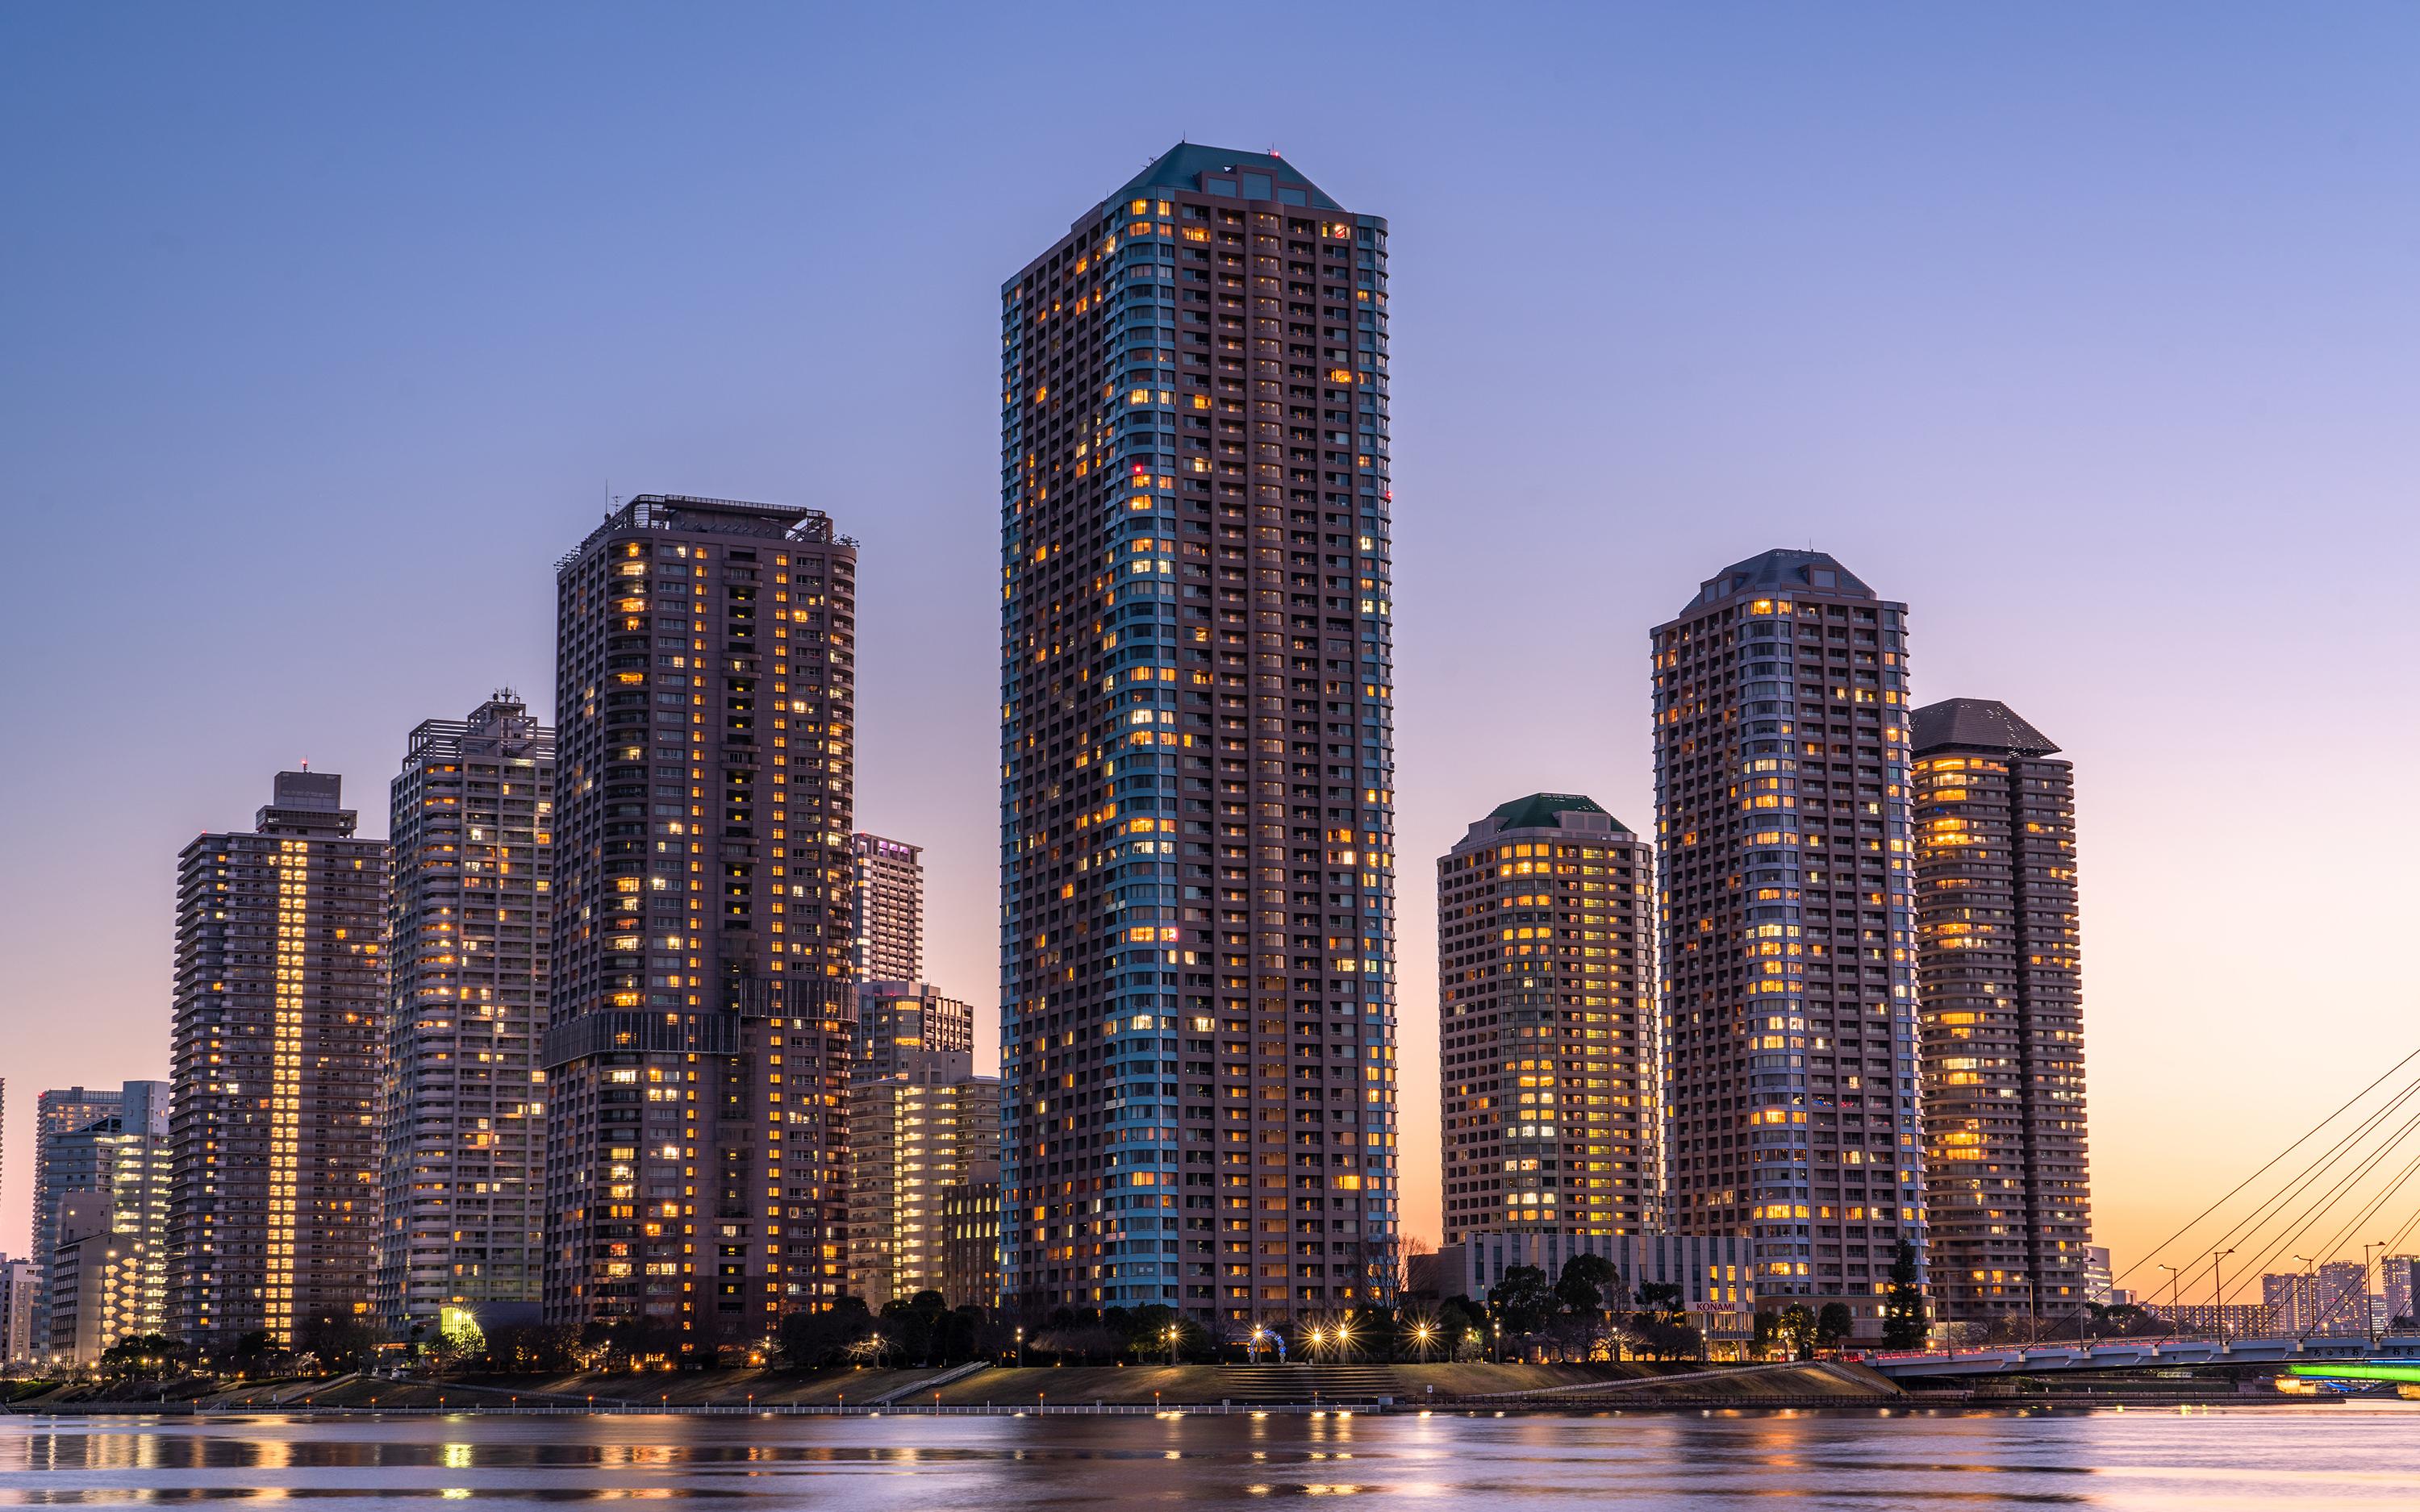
x=1170, y=1335
x=1020, y=1345
x=2368, y=1316
x=2176, y=1276
x=2218, y=1290
x=2305, y=1296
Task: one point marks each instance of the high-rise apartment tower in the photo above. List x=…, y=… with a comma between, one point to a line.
x=281, y=1000
x=1197, y=805
x=887, y=910
x=463, y=1128
x=2004, y=1112
x=1546, y=1022
x=1789, y=1029
x=696, y=1061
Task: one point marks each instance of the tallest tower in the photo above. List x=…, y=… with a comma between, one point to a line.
x=1197, y=805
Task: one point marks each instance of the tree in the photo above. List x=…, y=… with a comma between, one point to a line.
x=1661, y=1296
x=1797, y=1330
x=1768, y=1331
x=1522, y=1300
x=1587, y=1284
x=1833, y=1324
x=1665, y=1338
x=812, y=1340
x=1903, y=1322
x=142, y=1357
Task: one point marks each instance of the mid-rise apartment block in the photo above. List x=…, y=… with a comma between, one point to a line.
x=280, y=1016
x=886, y=909
x=1197, y=794
x=970, y=1244
x=463, y=1120
x=697, y=1055
x=1789, y=940
x=2001, y=971
x=1546, y=1022
x=915, y=1133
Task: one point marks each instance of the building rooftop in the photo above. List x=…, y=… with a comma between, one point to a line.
x=1183, y=165
x=1781, y=571
x=1983, y=724
x=1546, y=810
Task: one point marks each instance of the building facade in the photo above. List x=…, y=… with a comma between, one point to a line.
x=2002, y=982
x=696, y=1058
x=281, y=1001
x=1788, y=949
x=915, y=1132
x=886, y=909
x=1197, y=784
x=970, y=1244
x=900, y=1023
x=1550, y=1108
x=463, y=1131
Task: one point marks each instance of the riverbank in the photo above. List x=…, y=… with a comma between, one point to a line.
x=1289, y=1388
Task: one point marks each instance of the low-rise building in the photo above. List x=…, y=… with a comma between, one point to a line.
x=1715, y=1273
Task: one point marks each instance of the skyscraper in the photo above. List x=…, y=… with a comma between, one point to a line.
x=1546, y=1022
x=887, y=910
x=1995, y=916
x=1790, y=1032
x=462, y=1135
x=120, y=1162
x=697, y=1057
x=1197, y=771
x=281, y=999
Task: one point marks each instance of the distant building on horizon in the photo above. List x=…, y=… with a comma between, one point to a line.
x=1550, y=1108
x=281, y=1004
x=697, y=1052
x=462, y=1119
x=2397, y=1275
x=2002, y=978
x=1784, y=852
x=886, y=909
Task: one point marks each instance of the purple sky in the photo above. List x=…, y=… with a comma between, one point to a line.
x=2090, y=334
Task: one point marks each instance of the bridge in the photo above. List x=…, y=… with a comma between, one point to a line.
x=2312, y=1356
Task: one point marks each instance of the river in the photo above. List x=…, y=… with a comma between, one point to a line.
x=2310, y=1459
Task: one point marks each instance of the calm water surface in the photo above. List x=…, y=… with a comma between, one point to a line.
x=2309, y=1459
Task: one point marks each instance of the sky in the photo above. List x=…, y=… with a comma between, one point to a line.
x=2089, y=331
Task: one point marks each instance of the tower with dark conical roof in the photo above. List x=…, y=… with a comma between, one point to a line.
x=1546, y=1022
x=2003, y=1037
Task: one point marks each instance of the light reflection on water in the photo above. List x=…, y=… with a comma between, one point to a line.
x=2313, y=1460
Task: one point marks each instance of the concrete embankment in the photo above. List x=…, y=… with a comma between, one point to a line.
x=976, y=1388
